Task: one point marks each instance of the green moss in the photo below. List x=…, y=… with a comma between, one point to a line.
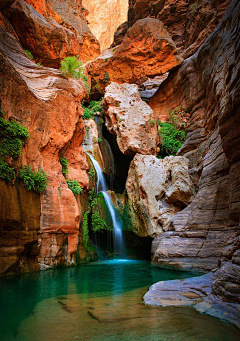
x=36, y=181
x=74, y=186
x=98, y=223
x=85, y=229
x=91, y=173
x=64, y=162
x=153, y=122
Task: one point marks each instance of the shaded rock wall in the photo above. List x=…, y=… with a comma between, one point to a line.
x=188, y=22
x=207, y=84
x=50, y=107
x=52, y=30
x=104, y=17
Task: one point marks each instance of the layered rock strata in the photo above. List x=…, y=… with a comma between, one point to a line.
x=146, y=50
x=188, y=22
x=157, y=189
x=206, y=233
x=52, y=30
x=50, y=107
x=130, y=119
x=104, y=18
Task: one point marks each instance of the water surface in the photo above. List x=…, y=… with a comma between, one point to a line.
x=99, y=301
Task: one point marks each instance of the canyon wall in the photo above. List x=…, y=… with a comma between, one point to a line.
x=38, y=231
x=104, y=18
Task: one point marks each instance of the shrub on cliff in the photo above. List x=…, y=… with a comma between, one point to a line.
x=74, y=186
x=12, y=137
x=64, y=162
x=35, y=181
x=172, y=135
x=90, y=111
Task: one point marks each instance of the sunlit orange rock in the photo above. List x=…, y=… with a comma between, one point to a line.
x=50, y=107
x=146, y=50
x=104, y=18
x=52, y=30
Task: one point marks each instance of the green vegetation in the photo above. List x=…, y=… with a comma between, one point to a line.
x=29, y=54
x=97, y=86
x=91, y=173
x=71, y=67
x=36, y=181
x=98, y=224
x=12, y=137
x=153, y=122
x=6, y=172
x=99, y=140
x=93, y=107
x=120, y=120
x=106, y=78
x=193, y=8
x=106, y=59
x=64, y=162
x=172, y=134
x=85, y=229
x=74, y=186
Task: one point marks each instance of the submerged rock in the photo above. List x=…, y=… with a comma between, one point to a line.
x=157, y=190
x=130, y=119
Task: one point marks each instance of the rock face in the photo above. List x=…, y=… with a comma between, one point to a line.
x=104, y=18
x=54, y=30
x=188, y=22
x=130, y=119
x=196, y=293
x=43, y=101
x=206, y=233
x=146, y=50
x=157, y=190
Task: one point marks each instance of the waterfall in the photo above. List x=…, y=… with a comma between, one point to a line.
x=117, y=226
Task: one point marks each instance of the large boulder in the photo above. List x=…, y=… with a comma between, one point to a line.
x=130, y=119
x=146, y=50
x=50, y=107
x=188, y=22
x=54, y=30
x=157, y=189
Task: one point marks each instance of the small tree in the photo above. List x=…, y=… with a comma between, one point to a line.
x=69, y=65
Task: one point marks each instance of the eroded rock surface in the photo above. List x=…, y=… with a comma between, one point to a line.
x=50, y=107
x=157, y=189
x=206, y=233
x=52, y=30
x=189, y=23
x=130, y=119
x=193, y=292
x=104, y=18
x=146, y=50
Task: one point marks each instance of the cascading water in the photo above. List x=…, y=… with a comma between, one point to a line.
x=117, y=226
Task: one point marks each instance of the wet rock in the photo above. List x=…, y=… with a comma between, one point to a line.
x=157, y=190
x=196, y=293
x=130, y=119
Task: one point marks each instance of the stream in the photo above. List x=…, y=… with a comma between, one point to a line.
x=100, y=301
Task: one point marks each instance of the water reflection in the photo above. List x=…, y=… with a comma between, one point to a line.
x=98, y=301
